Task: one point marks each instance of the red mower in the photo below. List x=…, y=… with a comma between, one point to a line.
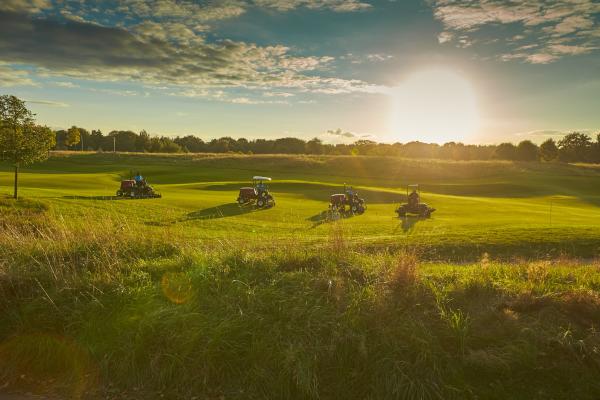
x=258, y=193
x=347, y=202
x=137, y=190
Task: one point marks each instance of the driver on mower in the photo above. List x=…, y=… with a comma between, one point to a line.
x=139, y=179
x=414, y=205
x=414, y=198
x=259, y=193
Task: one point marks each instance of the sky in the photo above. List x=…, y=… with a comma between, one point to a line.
x=476, y=71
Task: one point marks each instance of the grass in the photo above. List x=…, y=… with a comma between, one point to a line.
x=188, y=296
x=503, y=209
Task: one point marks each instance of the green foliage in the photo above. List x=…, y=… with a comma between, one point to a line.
x=21, y=141
x=73, y=136
x=549, y=150
x=527, y=151
x=575, y=147
x=505, y=151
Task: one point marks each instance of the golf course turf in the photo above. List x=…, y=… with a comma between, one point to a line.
x=190, y=295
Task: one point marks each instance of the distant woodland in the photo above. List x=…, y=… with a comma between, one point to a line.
x=573, y=147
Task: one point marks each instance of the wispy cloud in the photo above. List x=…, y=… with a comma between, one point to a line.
x=69, y=85
x=339, y=135
x=162, y=54
x=10, y=76
x=555, y=29
x=48, y=103
x=339, y=132
x=543, y=134
x=28, y=6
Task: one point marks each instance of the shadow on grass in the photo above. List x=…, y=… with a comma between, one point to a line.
x=315, y=191
x=222, y=211
x=408, y=223
x=327, y=216
x=93, y=197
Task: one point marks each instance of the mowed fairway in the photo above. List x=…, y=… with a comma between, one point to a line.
x=191, y=296
x=499, y=208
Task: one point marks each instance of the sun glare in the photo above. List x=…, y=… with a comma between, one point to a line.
x=434, y=105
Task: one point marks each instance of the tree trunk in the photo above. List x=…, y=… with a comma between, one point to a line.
x=16, y=179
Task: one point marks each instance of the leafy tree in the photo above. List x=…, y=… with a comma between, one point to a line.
x=314, y=146
x=191, y=143
x=289, y=145
x=73, y=136
x=21, y=141
x=142, y=142
x=527, y=151
x=95, y=140
x=363, y=147
x=505, y=151
x=574, y=147
x=124, y=140
x=548, y=150
x=169, y=146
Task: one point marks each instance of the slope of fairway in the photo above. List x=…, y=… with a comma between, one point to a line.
x=191, y=296
x=498, y=208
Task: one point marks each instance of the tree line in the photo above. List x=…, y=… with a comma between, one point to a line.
x=573, y=147
x=23, y=142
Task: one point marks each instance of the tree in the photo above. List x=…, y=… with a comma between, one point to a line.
x=21, y=140
x=73, y=136
x=548, y=150
x=95, y=140
x=505, y=151
x=142, y=142
x=574, y=147
x=314, y=146
x=527, y=151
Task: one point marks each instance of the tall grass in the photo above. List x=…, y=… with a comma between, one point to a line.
x=103, y=307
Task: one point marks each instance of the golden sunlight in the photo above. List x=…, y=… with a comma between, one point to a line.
x=434, y=105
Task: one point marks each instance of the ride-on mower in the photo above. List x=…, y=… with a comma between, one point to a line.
x=414, y=205
x=349, y=199
x=137, y=190
x=258, y=193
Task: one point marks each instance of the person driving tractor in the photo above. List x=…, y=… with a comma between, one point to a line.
x=413, y=198
x=139, y=179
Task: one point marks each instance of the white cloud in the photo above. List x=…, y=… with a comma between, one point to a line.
x=560, y=27
x=334, y=5
x=48, y=103
x=70, y=85
x=14, y=77
x=28, y=6
x=278, y=94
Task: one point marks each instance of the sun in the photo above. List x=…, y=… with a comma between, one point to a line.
x=434, y=105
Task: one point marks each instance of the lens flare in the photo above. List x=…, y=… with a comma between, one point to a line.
x=45, y=364
x=177, y=287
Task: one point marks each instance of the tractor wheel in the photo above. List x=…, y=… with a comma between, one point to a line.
x=401, y=214
x=354, y=209
x=241, y=201
x=119, y=193
x=260, y=203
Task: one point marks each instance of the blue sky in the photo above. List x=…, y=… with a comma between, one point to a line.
x=480, y=71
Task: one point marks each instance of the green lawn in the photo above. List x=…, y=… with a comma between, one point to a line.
x=190, y=296
x=501, y=208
